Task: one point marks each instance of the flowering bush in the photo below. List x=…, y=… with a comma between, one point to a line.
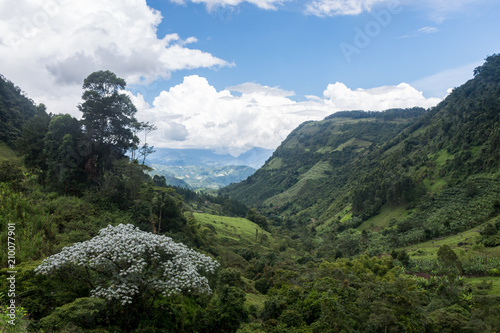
x=124, y=263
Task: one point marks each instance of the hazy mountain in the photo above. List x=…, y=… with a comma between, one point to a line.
x=254, y=157
x=196, y=176
x=201, y=168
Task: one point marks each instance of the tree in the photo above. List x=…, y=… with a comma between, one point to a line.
x=257, y=218
x=108, y=119
x=64, y=159
x=448, y=258
x=31, y=143
x=126, y=265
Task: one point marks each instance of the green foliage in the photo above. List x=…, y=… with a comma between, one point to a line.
x=11, y=171
x=12, y=317
x=225, y=312
x=257, y=218
x=401, y=176
x=450, y=320
x=83, y=313
x=448, y=258
x=15, y=110
x=31, y=142
x=108, y=119
x=63, y=155
x=230, y=277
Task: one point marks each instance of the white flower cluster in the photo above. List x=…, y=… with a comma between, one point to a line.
x=126, y=262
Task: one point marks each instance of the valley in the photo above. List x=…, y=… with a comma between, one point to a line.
x=361, y=222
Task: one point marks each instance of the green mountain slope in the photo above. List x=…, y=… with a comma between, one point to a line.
x=317, y=153
x=428, y=173
x=15, y=110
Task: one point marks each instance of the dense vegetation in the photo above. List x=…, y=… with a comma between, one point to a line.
x=439, y=169
x=362, y=222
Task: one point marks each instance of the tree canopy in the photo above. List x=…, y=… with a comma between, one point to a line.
x=108, y=118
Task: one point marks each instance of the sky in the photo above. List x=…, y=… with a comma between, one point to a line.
x=230, y=75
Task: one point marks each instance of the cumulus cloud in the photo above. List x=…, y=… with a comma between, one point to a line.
x=193, y=114
x=376, y=99
x=49, y=47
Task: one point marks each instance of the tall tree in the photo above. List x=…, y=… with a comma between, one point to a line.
x=108, y=120
x=31, y=142
x=64, y=158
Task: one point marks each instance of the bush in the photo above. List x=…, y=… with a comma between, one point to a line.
x=83, y=313
x=262, y=285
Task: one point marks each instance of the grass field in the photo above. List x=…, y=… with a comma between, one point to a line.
x=255, y=299
x=234, y=228
x=381, y=221
x=354, y=142
x=496, y=283
x=6, y=153
x=429, y=249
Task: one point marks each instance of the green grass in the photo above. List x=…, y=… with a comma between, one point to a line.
x=324, y=150
x=429, y=249
x=233, y=228
x=437, y=185
x=381, y=220
x=442, y=156
x=255, y=299
x=274, y=164
x=6, y=153
x=496, y=283
x=317, y=171
x=354, y=142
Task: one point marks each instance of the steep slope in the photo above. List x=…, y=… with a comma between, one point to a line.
x=315, y=162
x=349, y=166
x=15, y=110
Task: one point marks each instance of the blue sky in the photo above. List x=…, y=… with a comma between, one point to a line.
x=229, y=75
x=289, y=48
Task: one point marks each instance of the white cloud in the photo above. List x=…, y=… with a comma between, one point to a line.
x=49, y=47
x=194, y=114
x=421, y=31
x=342, y=7
x=376, y=99
x=428, y=30
x=437, y=10
x=211, y=4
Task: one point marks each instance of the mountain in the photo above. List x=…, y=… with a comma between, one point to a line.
x=254, y=157
x=201, y=168
x=202, y=177
x=317, y=153
x=15, y=110
x=430, y=172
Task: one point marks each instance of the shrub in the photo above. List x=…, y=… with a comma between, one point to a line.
x=82, y=313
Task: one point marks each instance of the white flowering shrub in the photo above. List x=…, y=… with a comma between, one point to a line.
x=125, y=263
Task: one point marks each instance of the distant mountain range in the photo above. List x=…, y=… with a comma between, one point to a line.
x=255, y=157
x=202, y=168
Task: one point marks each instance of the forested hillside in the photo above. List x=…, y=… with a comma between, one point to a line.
x=363, y=222
x=15, y=110
x=344, y=170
